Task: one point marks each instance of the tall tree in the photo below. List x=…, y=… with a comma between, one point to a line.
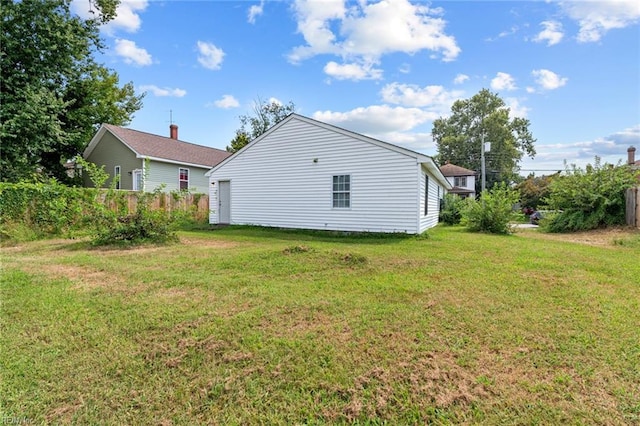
x=54, y=95
x=266, y=115
x=484, y=117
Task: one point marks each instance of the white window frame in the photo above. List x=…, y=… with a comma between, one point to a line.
x=117, y=174
x=460, y=181
x=180, y=180
x=341, y=202
x=138, y=180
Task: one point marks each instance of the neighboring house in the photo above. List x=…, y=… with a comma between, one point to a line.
x=303, y=173
x=176, y=164
x=463, y=180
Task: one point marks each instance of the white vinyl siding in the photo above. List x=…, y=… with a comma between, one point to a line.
x=429, y=201
x=282, y=181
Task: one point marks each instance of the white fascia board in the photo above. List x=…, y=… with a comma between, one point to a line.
x=435, y=171
x=164, y=160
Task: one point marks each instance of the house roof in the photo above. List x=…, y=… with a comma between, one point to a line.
x=453, y=170
x=160, y=148
x=425, y=160
x=458, y=190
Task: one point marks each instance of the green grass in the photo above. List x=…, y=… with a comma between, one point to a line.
x=260, y=326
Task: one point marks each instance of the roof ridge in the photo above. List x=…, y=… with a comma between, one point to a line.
x=160, y=136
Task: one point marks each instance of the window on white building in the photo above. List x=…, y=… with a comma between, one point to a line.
x=460, y=181
x=342, y=191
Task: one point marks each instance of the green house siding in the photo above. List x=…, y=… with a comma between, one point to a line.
x=168, y=173
x=111, y=152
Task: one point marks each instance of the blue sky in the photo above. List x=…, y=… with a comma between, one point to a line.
x=386, y=68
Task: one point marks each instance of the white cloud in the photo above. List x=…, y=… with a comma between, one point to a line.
x=515, y=108
x=127, y=15
x=432, y=98
x=210, y=56
x=552, y=33
x=377, y=119
x=548, y=80
x=226, y=102
x=460, y=78
x=364, y=32
x=596, y=18
x=405, y=68
x=255, y=11
x=503, y=81
x=131, y=53
x=352, y=71
x=611, y=148
x=510, y=31
x=163, y=91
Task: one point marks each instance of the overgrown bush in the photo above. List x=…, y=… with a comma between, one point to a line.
x=31, y=210
x=451, y=213
x=115, y=225
x=589, y=199
x=493, y=212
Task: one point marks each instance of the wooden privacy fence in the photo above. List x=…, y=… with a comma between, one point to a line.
x=632, y=213
x=196, y=204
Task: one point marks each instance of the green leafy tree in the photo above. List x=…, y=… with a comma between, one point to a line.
x=265, y=116
x=591, y=198
x=54, y=95
x=459, y=137
x=534, y=189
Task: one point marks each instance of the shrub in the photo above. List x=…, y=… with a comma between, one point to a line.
x=589, y=199
x=451, y=213
x=493, y=212
x=44, y=208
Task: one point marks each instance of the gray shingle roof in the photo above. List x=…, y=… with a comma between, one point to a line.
x=160, y=147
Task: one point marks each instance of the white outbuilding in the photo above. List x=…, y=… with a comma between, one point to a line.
x=303, y=173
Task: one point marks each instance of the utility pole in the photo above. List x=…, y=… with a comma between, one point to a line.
x=482, y=165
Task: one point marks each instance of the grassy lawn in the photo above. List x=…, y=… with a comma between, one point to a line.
x=256, y=326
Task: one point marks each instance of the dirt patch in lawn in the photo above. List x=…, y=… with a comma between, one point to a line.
x=598, y=237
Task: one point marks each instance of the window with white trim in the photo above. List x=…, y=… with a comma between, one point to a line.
x=137, y=180
x=341, y=191
x=183, y=179
x=117, y=176
x=460, y=181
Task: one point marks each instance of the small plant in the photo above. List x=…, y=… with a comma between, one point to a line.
x=493, y=213
x=451, y=213
x=297, y=249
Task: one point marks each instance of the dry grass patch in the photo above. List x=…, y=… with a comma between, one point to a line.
x=597, y=238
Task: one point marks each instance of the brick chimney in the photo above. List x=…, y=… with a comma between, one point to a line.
x=631, y=155
x=173, y=131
